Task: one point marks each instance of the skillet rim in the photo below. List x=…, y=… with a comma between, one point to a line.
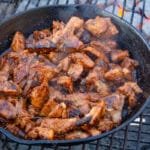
x=18, y=140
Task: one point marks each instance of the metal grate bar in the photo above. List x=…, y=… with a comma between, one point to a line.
x=139, y=133
x=97, y=144
x=105, y=4
x=42, y=147
x=56, y=2
x=38, y=2
x=69, y=147
x=124, y=5
x=133, y=10
x=26, y=7
x=142, y=16
x=114, y=6
x=48, y=2
x=125, y=139
x=111, y=142
x=29, y=148
x=83, y=146
x=67, y=1
x=95, y=2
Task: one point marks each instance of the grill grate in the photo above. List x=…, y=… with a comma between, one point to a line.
x=136, y=136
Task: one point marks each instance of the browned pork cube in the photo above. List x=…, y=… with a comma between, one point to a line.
x=18, y=42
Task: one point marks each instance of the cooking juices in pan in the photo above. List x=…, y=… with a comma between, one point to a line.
x=68, y=81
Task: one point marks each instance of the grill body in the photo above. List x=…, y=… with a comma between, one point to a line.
x=130, y=137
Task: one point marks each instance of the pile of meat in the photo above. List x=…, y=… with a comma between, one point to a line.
x=66, y=82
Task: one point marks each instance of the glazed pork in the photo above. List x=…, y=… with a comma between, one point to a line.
x=68, y=81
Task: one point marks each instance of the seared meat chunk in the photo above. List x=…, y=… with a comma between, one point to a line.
x=105, y=125
x=4, y=72
x=118, y=73
x=64, y=64
x=37, y=35
x=83, y=59
x=59, y=125
x=118, y=55
x=130, y=89
x=75, y=71
x=105, y=46
x=61, y=35
x=45, y=72
x=9, y=88
x=96, y=112
x=73, y=24
x=100, y=54
x=76, y=135
x=56, y=57
x=71, y=43
x=96, y=26
x=48, y=107
x=18, y=42
x=40, y=132
x=114, y=106
x=129, y=63
x=43, y=46
x=59, y=111
x=66, y=82
x=7, y=110
x=39, y=95
x=111, y=31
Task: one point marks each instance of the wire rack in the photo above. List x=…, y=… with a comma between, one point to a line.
x=136, y=135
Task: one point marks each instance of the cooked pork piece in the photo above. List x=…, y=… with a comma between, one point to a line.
x=114, y=106
x=129, y=63
x=105, y=125
x=39, y=95
x=130, y=90
x=111, y=30
x=9, y=88
x=48, y=107
x=7, y=110
x=71, y=43
x=105, y=46
x=83, y=59
x=18, y=42
x=96, y=112
x=68, y=81
x=73, y=24
x=43, y=46
x=91, y=130
x=40, y=132
x=59, y=125
x=56, y=57
x=100, y=54
x=96, y=26
x=64, y=64
x=76, y=135
x=4, y=72
x=85, y=37
x=38, y=35
x=59, y=111
x=119, y=55
x=75, y=71
x=114, y=74
x=61, y=35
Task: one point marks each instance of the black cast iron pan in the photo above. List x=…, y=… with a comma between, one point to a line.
x=129, y=38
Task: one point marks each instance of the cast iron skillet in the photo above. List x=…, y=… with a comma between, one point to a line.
x=129, y=38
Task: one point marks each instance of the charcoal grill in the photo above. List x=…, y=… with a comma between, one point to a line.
x=135, y=135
